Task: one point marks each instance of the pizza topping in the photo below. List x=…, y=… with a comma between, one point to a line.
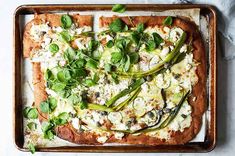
x=129, y=81
x=119, y=8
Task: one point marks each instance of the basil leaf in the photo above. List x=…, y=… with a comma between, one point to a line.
x=74, y=99
x=31, y=148
x=117, y=25
x=167, y=21
x=107, y=67
x=49, y=134
x=127, y=64
x=49, y=75
x=114, y=77
x=63, y=118
x=150, y=45
x=93, y=45
x=116, y=57
x=70, y=54
x=66, y=21
x=119, y=8
x=64, y=75
x=157, y=39
x=65, y=36
x=32, y=125
x=80, y=63
x=30, y=113
x=53, y=48
x=26, y=111
x=135, y=37
x=58, y=86
x=140, y=27
x=44, y=107
x=89, y=82
x=80, y=72
x=52, y=103
x=95, y=78
x=83, y=105
x=134, y=57
x=46, y=126
x=110, y=44
x=91, y=64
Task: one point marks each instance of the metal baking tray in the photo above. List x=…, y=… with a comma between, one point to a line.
x=206, y=11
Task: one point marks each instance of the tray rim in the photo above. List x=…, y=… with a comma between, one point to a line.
x=206, y=146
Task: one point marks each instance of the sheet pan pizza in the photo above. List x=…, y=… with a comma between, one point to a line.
x=137, y=80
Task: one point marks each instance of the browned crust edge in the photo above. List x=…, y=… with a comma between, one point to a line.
x=67, y=132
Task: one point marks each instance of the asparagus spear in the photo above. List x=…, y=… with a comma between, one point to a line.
x=99, y=107
x=170, y=57
x=168, y=120
x=124, y=92
x=127, y=101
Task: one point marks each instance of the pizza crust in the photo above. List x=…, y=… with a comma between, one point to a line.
x=67, y=132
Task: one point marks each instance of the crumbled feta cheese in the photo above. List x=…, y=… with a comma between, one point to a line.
x=102, y=139
x=166, y=29
x=165, y=51
x=57, y=29
x=145, y=87
x=37, y=31
x=119, y=135
x=177, y=89
x=75, y=123
x=83, y=29
x=183, y=49
x=154, y=61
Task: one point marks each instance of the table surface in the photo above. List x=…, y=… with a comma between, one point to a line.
x=226, y=88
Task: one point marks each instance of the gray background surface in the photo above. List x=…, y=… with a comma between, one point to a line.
x=226, y=87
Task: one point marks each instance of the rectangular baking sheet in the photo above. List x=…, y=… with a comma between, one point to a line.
x=25, y=13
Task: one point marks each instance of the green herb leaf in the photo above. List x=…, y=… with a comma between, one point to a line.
x=74, y=99
x=92, y=64
x=107, y=67
x=69, y=54
x=93, y=45
x=47, y=129
x=110, y=44
x=119, y=8
x=65, y=36
x=31, y=148
x=80, y=63
x=127, y=64
x=66, y=21
x=157, y=39
x=95, y=78
x=44, y=107
x=52, y=103
x=49, y=75
x=64, y=75
x=58, y=86
x=32, y=125
x=114, y=77
x=83, y=105
x=89, y=82
x=168, y=21
x=135, y=37
x=150, y=45
x=63, y=118
x=116, y=57
x=54, y=48
x=134, y=57
x=117, y=25
x=140, y=27
x=30, y=113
